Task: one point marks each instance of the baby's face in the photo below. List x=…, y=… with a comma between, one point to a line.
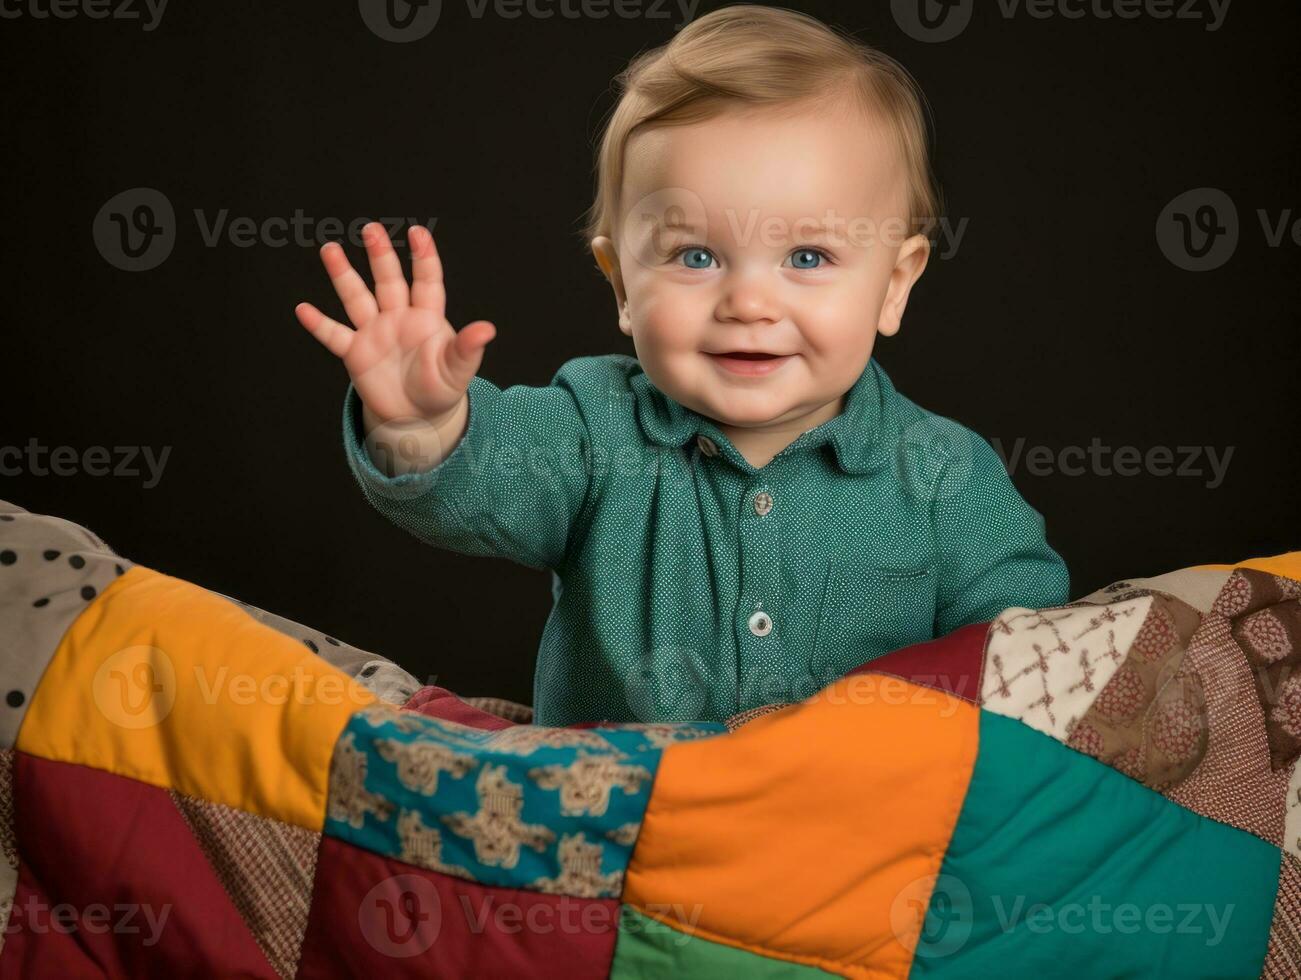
x=761, y=231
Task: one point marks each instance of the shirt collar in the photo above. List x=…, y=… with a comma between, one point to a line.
x=855, y=435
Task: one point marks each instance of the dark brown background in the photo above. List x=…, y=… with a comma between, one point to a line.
x=1058, y=319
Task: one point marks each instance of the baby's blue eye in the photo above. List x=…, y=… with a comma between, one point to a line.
x=693, y=255
x=806, y=255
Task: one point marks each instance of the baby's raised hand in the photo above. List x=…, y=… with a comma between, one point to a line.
x=405, y=360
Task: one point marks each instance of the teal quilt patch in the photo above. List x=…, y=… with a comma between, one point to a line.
x=550, y=809
x=1062, y=866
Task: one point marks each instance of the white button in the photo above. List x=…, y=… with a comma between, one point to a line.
x=760, y=623
x=762, y=503
x=707, y=445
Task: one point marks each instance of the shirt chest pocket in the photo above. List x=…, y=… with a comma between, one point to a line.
x=868, y=611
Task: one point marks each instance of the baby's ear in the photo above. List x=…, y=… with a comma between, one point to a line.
x=909, y=265
x=608, y=259
x=603, y=249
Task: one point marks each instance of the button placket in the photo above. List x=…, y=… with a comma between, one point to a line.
x=762, y=669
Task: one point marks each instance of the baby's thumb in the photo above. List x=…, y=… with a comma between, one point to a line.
x=465, y=352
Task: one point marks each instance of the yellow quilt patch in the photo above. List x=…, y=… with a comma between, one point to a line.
x=167, y=683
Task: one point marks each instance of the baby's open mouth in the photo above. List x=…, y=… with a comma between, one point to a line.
x=753, y=363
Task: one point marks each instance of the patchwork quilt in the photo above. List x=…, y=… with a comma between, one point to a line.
x=191, y=785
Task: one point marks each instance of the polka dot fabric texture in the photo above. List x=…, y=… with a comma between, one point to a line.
x=388, y=680
x=50, y=571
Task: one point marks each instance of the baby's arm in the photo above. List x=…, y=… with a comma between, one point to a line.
x=437, y=449
x=512, y=486
x=992, y=550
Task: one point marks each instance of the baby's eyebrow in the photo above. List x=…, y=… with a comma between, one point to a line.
x=819, y=231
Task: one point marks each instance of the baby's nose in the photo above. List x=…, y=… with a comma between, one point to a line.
x=748, y=299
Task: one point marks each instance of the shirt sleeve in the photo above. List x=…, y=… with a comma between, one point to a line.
x=991, y=545
x=513, y=487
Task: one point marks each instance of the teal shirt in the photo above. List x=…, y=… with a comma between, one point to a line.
x=689, y=585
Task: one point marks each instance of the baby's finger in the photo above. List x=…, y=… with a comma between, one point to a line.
x=455, y=363
x=465, y=352
x=390, y=284
x=427, y=288
x=357, y=299
x=334, y=335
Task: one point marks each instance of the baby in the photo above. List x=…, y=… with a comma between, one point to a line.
x=748, y=508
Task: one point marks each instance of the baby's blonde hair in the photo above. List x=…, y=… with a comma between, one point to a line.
x=747, y=56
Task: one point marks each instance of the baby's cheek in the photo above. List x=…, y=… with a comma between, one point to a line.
x=839, y=332
x=670, y=320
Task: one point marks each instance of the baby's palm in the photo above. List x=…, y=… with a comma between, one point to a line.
x=385, y=364
x=404, y=357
